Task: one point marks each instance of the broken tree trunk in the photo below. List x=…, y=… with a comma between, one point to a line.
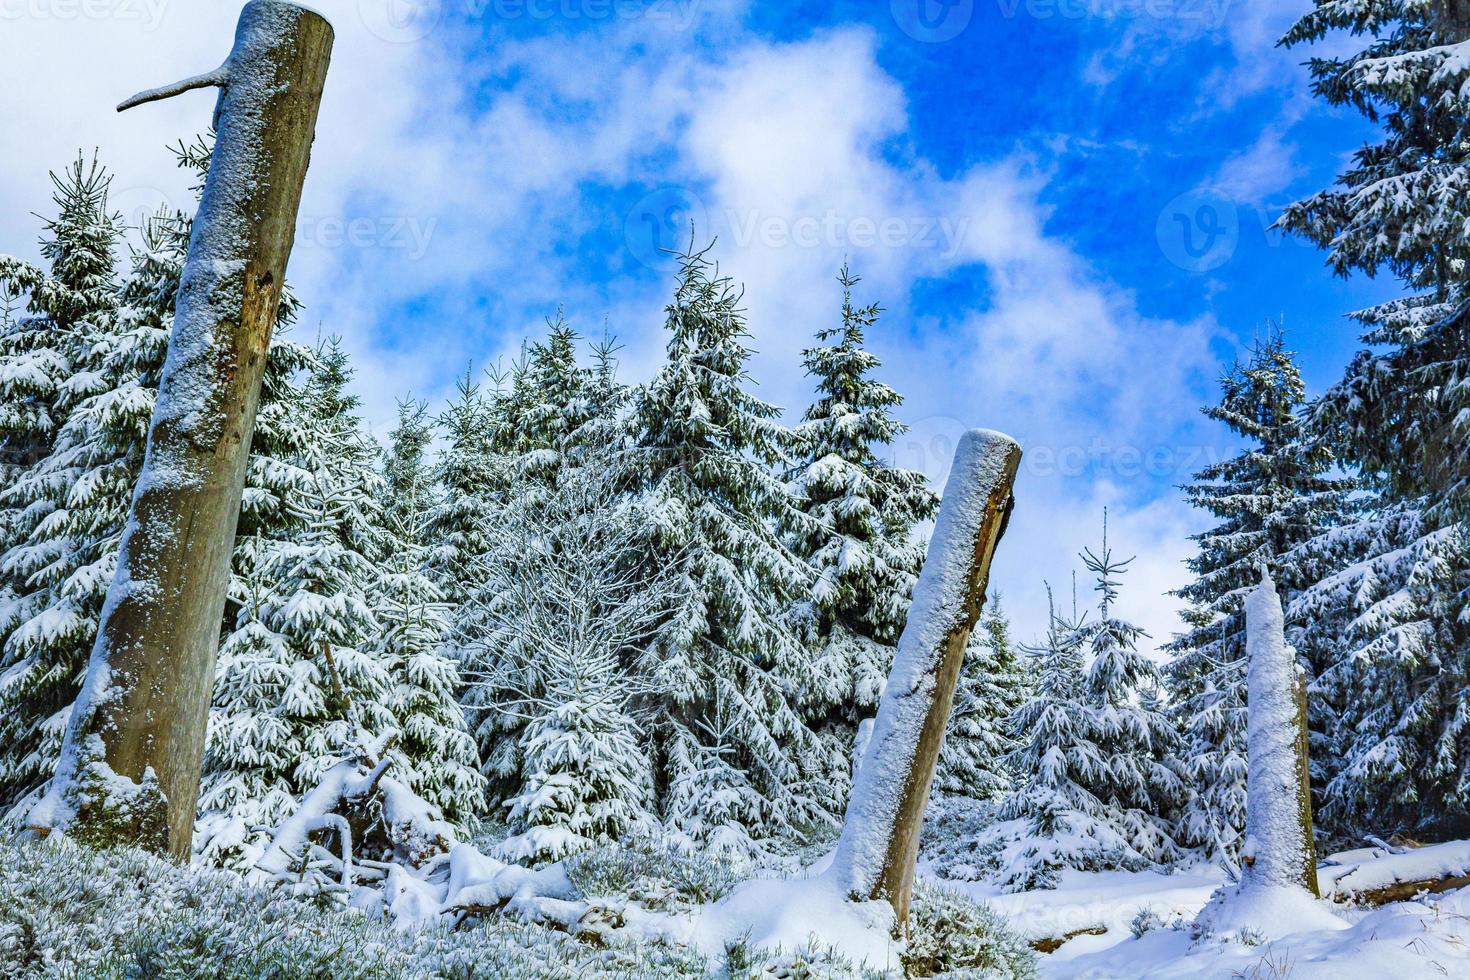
x=129, y=768
x=880, y=836
x=1278, y=832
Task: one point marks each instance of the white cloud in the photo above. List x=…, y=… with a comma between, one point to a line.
x=800, y=155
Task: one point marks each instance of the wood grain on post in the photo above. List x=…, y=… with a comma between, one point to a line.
x=143, y=711
x=1304, y=788
x=879, y=846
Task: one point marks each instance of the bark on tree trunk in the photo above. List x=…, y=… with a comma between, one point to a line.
x=1304, y=788
x=131, y=760
x=880, y=837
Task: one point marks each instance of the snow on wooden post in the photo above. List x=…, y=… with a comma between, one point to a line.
x=129, y=768
x=1278, y=846
x=880, y=837
x=1277, y=890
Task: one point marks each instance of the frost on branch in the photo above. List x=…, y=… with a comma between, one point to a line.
x=366, y=816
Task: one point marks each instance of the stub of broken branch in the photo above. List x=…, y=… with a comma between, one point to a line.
x=218, y=78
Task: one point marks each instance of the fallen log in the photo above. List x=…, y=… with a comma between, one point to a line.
x=1056, y=942
x=1398, y=877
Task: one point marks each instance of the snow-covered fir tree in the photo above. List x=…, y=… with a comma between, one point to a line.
x=859, y=533
x=59, y=510
x=562, y=613
x=470, y=478
x=1134, y=738
x=536, y=438
x=1270, y=498
x=436, y=754
x=1379, y=629
x=729, y=740
x=74, y=297
x=1399, y=413
x=1093, y=784
x=328, y=649
x=1048, y=818
x=993, y=684
x=1400, y=207
x=553, y=404
x=297, y=678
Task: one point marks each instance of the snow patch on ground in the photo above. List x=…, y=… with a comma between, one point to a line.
x=1108, y=900
x=1400, y=941
x=795, y=914
x=1266, y=912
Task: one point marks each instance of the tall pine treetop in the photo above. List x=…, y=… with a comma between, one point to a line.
x=1403, y=206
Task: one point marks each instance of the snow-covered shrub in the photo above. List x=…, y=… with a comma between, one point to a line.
x=954, y=828
x=1146, y=921
x=811, y=961
x=948, y=933
x=66, y=911
x=651, y=872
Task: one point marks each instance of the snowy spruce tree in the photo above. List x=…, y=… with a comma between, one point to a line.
x=858, y=535
x=1400, y=208
x=1399, y=414
x=333, y=642
x=553, y=404
x=53, y=569
x=435, y=754
x=1379, y=628
x=535, y=439
x=1130, y=730
x=1270, y=498
x=1093, y=784
x=298, y=681
x=1048, y=818
x=729, y=740
x=470, y=478
x=74, y=297
x=562, y=614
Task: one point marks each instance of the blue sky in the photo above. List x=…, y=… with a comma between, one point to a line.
x=1061, y=203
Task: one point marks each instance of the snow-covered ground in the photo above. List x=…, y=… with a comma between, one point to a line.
x=1107, y=901
x=1401, y=941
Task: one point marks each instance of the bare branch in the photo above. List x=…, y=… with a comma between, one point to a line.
x=218, y=78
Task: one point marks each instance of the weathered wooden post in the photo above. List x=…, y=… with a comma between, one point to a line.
x=1279, y=849
x=1278, y=857
x=880, y=837
x=129, y=769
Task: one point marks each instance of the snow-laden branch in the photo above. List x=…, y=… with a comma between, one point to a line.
x=218, y=78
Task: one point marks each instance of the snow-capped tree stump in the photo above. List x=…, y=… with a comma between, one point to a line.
x=130, y=763
x=880, y=837
x=1278, y=846
x=1277, y=892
